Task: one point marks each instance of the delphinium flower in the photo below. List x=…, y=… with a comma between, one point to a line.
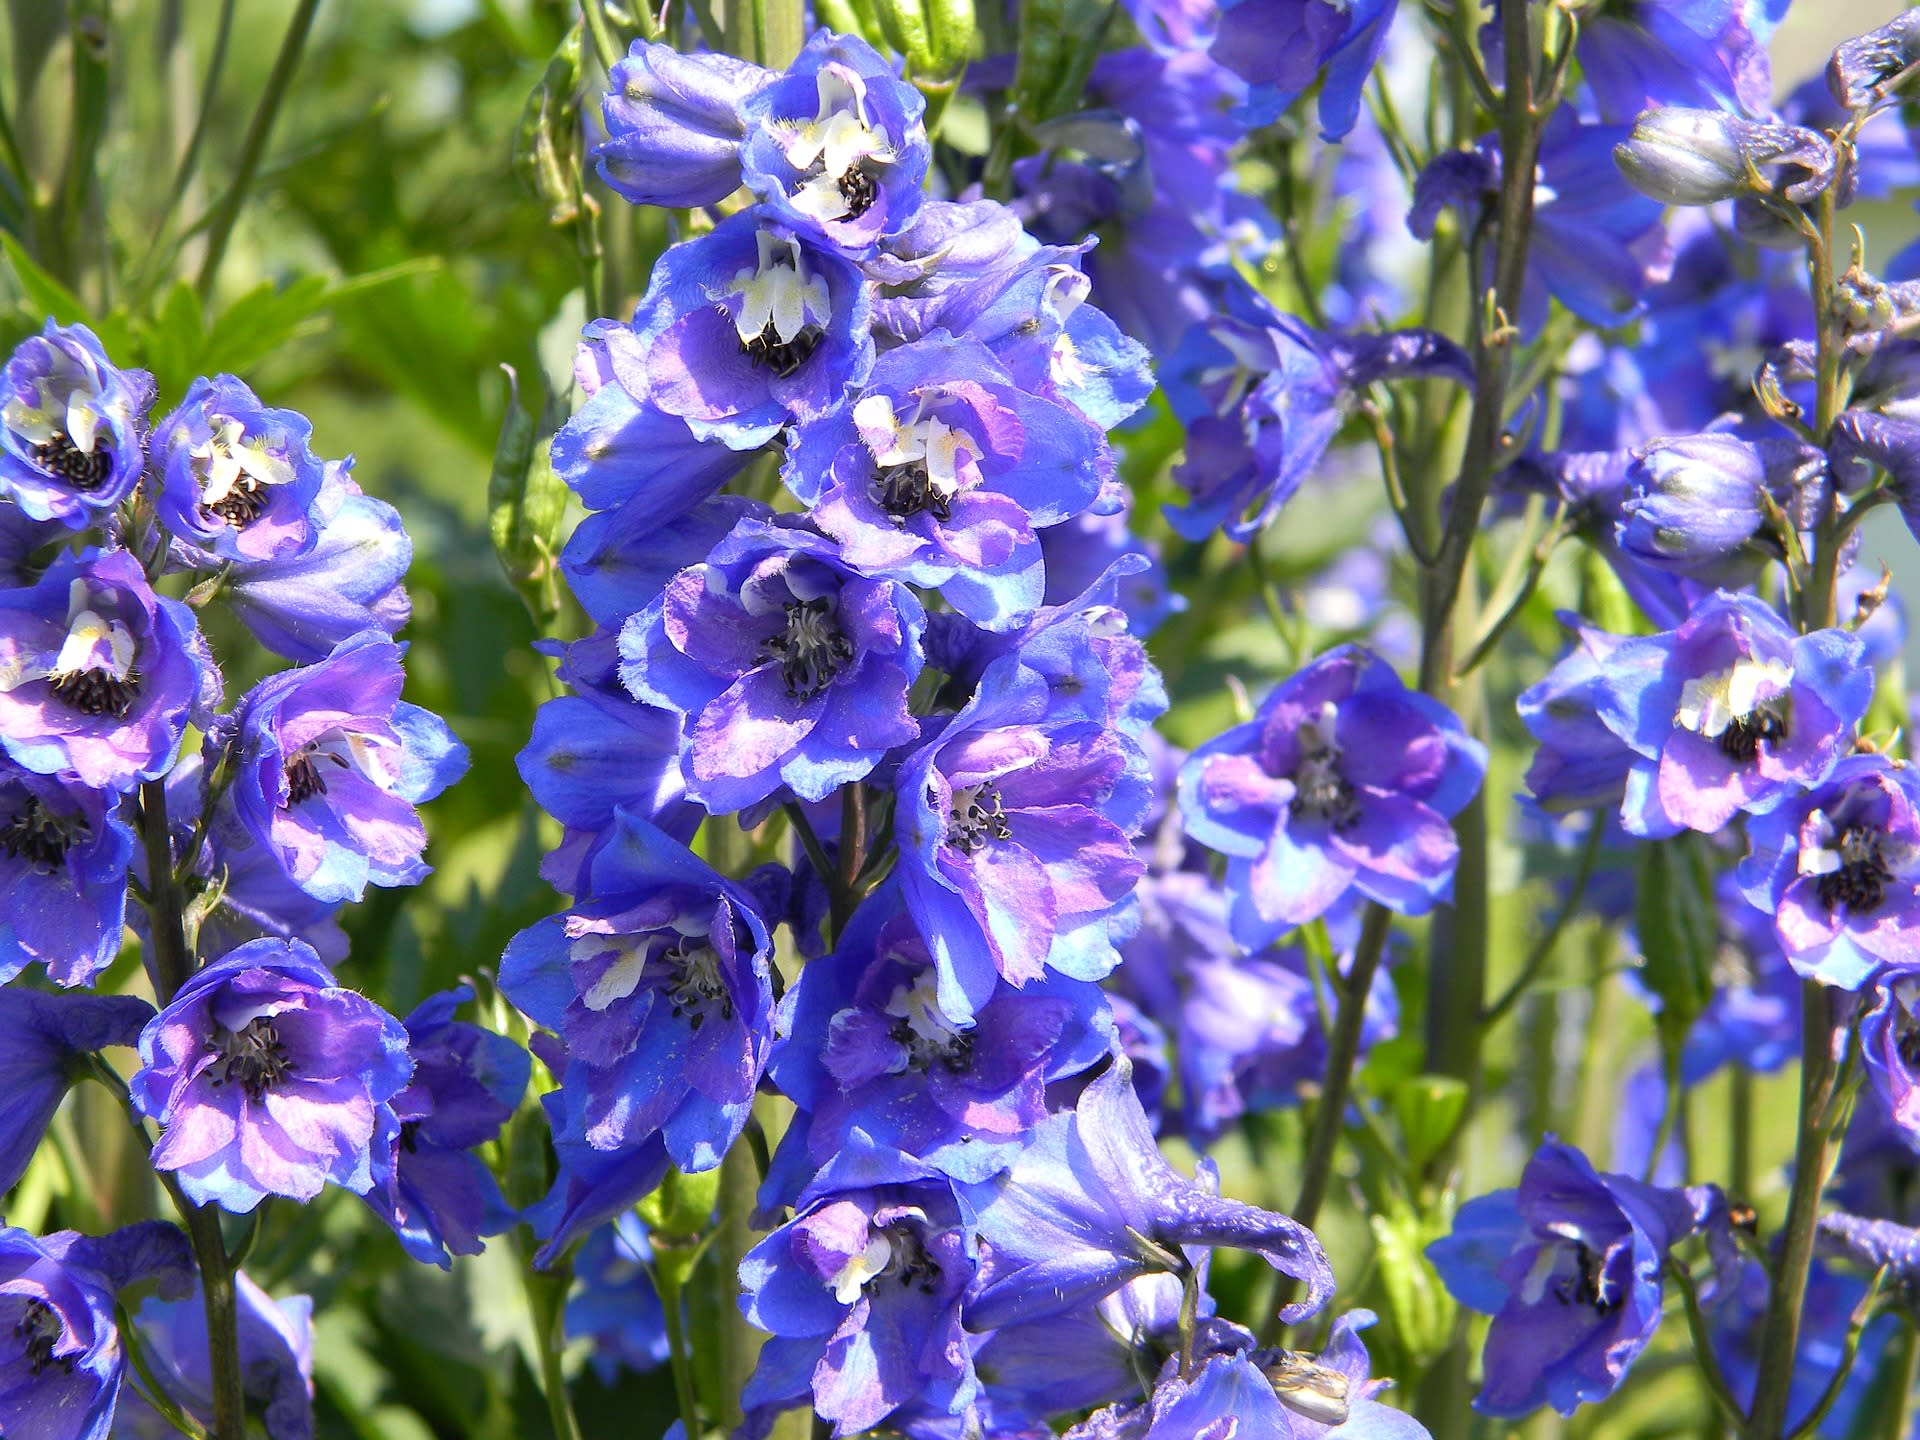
x=97, y=673
x=1657, y=52
x=64, y=851
x=329, y=763
x=269, y=1078
x=1699, y=505
x=1729, y=712
x=428, y=1184
x=1344, y=780
x=72, y=427
x=61, y=1355
x=658, y=982
x=788, y=667
x=616, y=1306
x=45, y=1040
x=1890, y=1042
x=276, y=1362
x=1569, y=1265
x=1280, y=47
x=866, y=1046
x=862, y=1292
x=1838, y=867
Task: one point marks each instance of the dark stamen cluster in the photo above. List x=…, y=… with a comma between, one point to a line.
x=1860, y=883
x=1589, y=1285
x=905, y=490
x=304, y=780
x=911, y=1265
x=782, y=357
x=696, y=988
x=98, y=692
x=85, y=470
x=975, y=818
x=39, y=1329
x=242, y=505
x=252, y=1057
x=41, y=838
x=1741, y=740
x=811, y=647
x=858, y=189
x=955, y=1055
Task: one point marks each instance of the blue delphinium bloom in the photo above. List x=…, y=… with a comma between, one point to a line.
x=1697, y=504
x=1344, y=780
x=1263, y=395
x=1753, y=1020
x=1580, y=763
x=237, y=481
x=276, y=1361
x=942, y=472
x=1890, y=1042
x=1090, y=1203
x=659, y=984
x=1738, y=1316
x=1569, y=1266
x=788, y=666
x=270, y=1079
x=439, y=1196
x=862, y=1293
x=1732, y=711
x=836, y=146
x=329, y=764
x=1279, y=47
x=304, y=603
x=1672, y=52
x=72, y=427
x=615, y=1305
x=1596, y=244
x=64, y=851
x=1838, y=867
x=1015, y=826
x=674, y=125
x=865, y=1045
x=61, y=1357
x=750, y=328
x=44, y=1041
x=97, y=673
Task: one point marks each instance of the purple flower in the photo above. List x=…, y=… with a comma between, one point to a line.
x=439, y=1196
x=659, y=984
x=1670, y=52
x=276, y=1361
x=1344, y=780
x=862, y=1293
x=270, y=1079
x=97, y=673
x=835, y=146
x=1263, y=396
x=1838, y=867
x=72, y=427
x=942, y=473
x=615, y=1305
x=1730, y=712
x=44, y=1041
x=1697, y=504
x=61, y=1361
x=1861, y=66
x=750, y=328
x=237, y=481
x=63, y=876
x=1738, y=1316
x=1699, y=157
x=788, y=667
x=329, y=764
x=1890, y=1043
x=1015, y=828
x=1569, y=1266
x=1580, y=763
x=304, y=603
x=1597, y=243
x=866, y=1046
x=1090, y=1203
x=1280, y=47
x=674, y=125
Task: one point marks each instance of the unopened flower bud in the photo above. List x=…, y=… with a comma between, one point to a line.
x=1699, y=498
x=1862, y=66
x=1699, y=157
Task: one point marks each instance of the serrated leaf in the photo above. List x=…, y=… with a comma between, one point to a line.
x=42, y=290
x=261, y=321
x=174, y=342
x=1428, y=1108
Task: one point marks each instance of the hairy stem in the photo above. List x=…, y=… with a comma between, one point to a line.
x=171, y=963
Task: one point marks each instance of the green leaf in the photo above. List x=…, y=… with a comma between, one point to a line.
x=261, y=321
x=683, y=1205
x=1678, y=928
x=43, y=292
x=174, y=343
x=1059, y=41
x=1420, y=1312
x=1429, y=1108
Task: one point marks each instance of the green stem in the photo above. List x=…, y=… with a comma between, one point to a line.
x=190, y=157
x=1780, y=1336
x=253, y=145
x=1905, y=1370
x=1543, y=947
x=853, y=854
x=598, y=26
